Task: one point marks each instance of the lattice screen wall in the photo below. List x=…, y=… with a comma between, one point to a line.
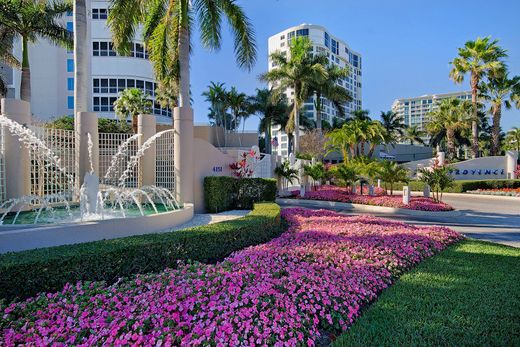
x=164, y=164
x=109, y=144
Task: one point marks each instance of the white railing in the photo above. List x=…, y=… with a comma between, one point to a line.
x=263, y=167
x=47, y=180
x=109, y=144
x=164, y=164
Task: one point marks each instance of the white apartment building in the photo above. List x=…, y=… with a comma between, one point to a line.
x=339, y=53
x=414, y=111
x=52, y=72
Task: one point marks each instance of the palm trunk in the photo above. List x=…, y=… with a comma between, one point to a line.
x=268, y=138
x=296, y=132
x=81, y=57
x=184, y=62
x=318, y=112
x=25, y=83
x=495, y=146
x=450, y=135
x=474, y=124
x=134, y=123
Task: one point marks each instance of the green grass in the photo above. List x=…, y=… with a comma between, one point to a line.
x=467, y=295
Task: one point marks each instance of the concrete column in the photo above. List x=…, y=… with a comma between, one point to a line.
x=426, y=191
x=86, y=123
x=16, y=155
x=511, y=163
x=146, y=126
x=406, y=195
x=183, y=154
x=371, y=190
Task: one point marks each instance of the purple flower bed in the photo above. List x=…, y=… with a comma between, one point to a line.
x=313, y=280
x=340, y=194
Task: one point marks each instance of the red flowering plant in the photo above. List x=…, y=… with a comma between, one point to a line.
x=243, y=167
x=517, y=171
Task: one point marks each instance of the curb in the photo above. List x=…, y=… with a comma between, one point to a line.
x=495, y=197
x=366, y=208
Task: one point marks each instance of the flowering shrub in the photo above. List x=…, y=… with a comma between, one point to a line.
x=244, y=167
x=501, y=191
x=517, y=171
x=315, y=279
x=340, y=194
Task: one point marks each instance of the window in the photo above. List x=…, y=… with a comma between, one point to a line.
x=70, y=83
x=139, y=50
x=70, y=65
x=121, y=85
x=70, y=26
x=302, y=32
x=113, y=86
x=327, y=40
x=104, y=86
x=70, y=102
x=282, y=37
x=334, y=46
x=95, y=86
x=99, y=13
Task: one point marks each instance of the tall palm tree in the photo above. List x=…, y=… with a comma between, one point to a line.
x=392, y=123
x=343, y=140
x=272, y=107
x=217, y=96
x=480, y=58
x=513, y=139
x=29, y=21
x=451, y=115
x=240, y=107
x=297, y=71
x=6, y=56
x=500, y=92
x=328, y=88
x=377, y=135
x=167, y=28
x=413, y=134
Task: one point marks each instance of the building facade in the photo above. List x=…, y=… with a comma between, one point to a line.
x=339, y=53
x=414, y=111
x=52, y=72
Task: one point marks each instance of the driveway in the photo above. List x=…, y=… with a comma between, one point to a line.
x=489, y=218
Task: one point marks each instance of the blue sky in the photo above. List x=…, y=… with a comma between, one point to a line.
x=406, y=45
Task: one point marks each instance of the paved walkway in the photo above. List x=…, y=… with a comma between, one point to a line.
x=210, y=218
x=490, y=218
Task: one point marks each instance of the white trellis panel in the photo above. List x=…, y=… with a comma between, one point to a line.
x=263, y=167
x=109, y=144
x=46, y=178
x=164, y=164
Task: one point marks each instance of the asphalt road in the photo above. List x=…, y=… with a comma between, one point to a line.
x=489, y=218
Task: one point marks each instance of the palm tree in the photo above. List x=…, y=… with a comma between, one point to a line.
x=360, y=115
x=390, y=173
x=513, y=139
x=392, y=123
x=328, y=88
x=413, y=134
x=452, y=115
x=480, y=58
x=343, y=140
x=272, y=108
x=6, y=56
x=298, y=72
x=240, y=107
x=81, y=57
x=131, y=103
x=377, y=135
x=500, y=92
x=30, y=20
x=217, y=95
x=167, y=28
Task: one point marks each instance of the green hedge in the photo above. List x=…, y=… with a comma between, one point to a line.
x=26, y=273
x=223, y=193
x=464, y=186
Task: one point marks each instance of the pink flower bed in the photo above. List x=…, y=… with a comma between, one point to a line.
x=315, y=279
x=340, y=194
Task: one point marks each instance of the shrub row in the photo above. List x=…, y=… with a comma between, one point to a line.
x=223, y=193
x=464, y=186
x=24, y=274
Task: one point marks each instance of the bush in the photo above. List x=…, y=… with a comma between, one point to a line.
x=227, y=193
x=463, y=185
x=24, y=274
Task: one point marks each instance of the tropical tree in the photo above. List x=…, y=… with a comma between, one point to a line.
x=376, y=135
x=316, y=172
x=131, y=103
x=513, y=139
x=217, y=96
x=391, y=173
x=328, y=87
x=346, y=173
x=271, y=108
x=480, y=58
x=167, y=28
x=285, y=172
x=393, y=125
x=240, y=107
x=6, y=56
x=501, y=92
x=413, y=134
x=81, y=54
x=298, y=70
x=29, y=21
x=360, y=115
x=343, y=140
x=438, y=178
x=452, y=115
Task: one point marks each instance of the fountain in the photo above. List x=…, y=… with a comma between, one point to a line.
x=95, y=202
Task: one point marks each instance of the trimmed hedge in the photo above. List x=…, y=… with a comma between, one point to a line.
x=463, y=185
x=26, y=273
x=222, y=193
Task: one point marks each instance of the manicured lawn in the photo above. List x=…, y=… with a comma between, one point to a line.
x=467, y=295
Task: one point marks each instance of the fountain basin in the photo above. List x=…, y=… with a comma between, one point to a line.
x=19, y=237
